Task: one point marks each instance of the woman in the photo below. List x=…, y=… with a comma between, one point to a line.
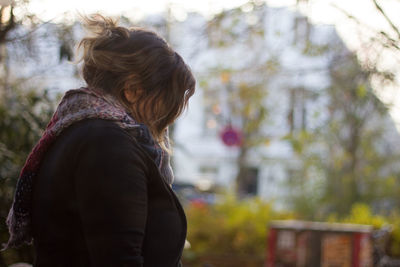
x=96, y=189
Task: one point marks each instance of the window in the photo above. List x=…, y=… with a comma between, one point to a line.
x=249, y=181
x=302, y=29
x=297, y=113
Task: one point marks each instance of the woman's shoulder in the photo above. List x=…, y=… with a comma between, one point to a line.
x=95, y=126
x=93, y=129
x=100, y=135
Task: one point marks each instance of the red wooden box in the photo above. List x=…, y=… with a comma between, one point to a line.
x=314, y=244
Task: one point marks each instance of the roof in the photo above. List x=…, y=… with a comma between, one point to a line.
x=320, y=226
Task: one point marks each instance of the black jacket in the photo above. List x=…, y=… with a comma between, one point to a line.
x=100, y=200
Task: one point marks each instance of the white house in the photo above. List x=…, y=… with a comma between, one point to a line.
x=200, y=154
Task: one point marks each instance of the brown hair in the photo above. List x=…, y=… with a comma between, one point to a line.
x=116, y=58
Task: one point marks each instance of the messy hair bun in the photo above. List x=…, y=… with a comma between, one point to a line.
x=116, y=58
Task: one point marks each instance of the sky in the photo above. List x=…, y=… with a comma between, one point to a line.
x=49, y=9
x=319, y=11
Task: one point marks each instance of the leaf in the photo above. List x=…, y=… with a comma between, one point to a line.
x=362, y=91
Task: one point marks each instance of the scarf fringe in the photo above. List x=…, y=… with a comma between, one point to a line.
x=19, y=228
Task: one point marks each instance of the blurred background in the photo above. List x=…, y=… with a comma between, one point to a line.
x=289, y=153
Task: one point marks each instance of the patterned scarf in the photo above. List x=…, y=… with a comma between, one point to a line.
x=76, y=105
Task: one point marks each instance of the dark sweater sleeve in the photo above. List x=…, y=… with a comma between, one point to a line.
x=111, y=191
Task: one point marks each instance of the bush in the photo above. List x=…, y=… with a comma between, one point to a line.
x=361, y=214
x=24, y=114
x=229, y=233
x=234, y=233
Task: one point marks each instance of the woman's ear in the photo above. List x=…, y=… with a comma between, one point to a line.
x=129, y=95
x=133, y=95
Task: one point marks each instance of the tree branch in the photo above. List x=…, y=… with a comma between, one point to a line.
x=394, y=27
x=28, y=34
x=9, y=26
x=390, y=42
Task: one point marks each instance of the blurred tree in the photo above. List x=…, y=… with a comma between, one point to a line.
x=7, y=19
x=24, y=115
x=364, y=157
x=236, y=96
x=378, y=39
x=350, y=157
x=12, y=14
x=24, y=110
x=388, y=37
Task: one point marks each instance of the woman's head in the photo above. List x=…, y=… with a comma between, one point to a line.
x=140, y=69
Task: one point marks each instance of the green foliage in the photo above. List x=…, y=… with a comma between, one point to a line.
x=24, y=115
x=361, y=213
x=234, y=233
x=314, y=50
x=230, y=227
x=235, y=26
x=343, y=160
